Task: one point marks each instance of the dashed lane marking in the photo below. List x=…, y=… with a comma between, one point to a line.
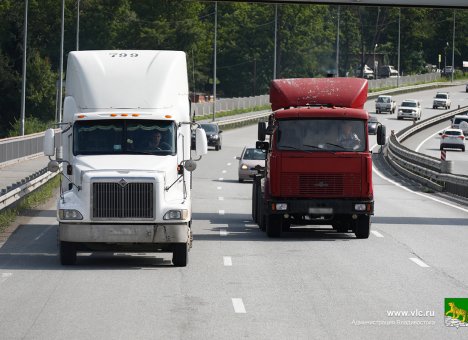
x=419, y=262
x=238, y=305
x=227, y=261
x=223, y=232
x=220, y=198
x=376, y=233
x=221, y=212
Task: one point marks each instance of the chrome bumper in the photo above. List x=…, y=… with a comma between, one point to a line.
x=125, y=233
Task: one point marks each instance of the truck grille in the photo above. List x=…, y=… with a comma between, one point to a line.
x=320, y=185
x=131, y=201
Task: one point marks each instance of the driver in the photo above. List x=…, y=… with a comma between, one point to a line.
x=348, y=138
x=155, y=142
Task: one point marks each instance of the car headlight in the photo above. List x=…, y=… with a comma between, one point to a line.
x=70, y=214
x=214, y=136
x=176, y=214
x=244, y=167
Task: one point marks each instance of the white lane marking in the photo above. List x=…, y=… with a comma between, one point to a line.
x=419, y=262
x=220, y=198
x=224, y=171
x=223, y=232
x=221, y=212
x=414, y=192
x=42, y=234
x=227, y=261
x=219, y=188
x=431, y=136
x=249, y=225
x=238, y=305
x=229, y=164
x=221, y=179
x=247, y=221
x=376, y=233
x=5, y=276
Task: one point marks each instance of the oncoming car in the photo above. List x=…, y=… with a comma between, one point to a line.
x=410, y=108
x=453, y=139
x=248, y=161
x=213, y=135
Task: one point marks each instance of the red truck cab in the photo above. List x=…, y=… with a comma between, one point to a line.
x=318, y=168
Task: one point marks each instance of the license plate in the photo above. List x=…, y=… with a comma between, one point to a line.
x=326, y=211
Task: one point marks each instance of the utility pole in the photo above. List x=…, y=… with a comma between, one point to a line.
x=338, y=45
x=23, y=90
x=453, y=47
x=214, y=60
x=276, y=33
x=399, y=30
x=61, y=64
x=78, y=25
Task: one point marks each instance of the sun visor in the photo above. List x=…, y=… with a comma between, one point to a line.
x=340, y=92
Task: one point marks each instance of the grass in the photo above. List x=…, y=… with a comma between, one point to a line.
x=233, y=112
x=37, y=197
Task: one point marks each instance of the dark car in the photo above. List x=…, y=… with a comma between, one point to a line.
x=213, y=135
x=372, y=124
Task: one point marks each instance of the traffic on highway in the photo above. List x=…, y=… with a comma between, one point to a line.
x=313, y=282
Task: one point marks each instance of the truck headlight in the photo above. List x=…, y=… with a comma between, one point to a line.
x=70, y=214
x=176, y=214
x=281, y=206
x=244, y=167
x=360, y=207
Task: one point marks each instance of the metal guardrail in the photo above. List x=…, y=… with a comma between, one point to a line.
x=430, y=171
x=242, y=121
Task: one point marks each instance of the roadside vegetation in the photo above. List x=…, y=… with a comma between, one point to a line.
x=34, y=199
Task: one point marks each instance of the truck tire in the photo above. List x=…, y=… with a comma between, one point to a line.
x=67, y=253
x=274, y=225
x=262, y=221
x=362, y=227
x=180, y=255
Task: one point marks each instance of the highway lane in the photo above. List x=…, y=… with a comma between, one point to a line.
x=239, y=283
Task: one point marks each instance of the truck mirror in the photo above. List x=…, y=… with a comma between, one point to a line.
x=49, y=142
x=53, y=166
x=201, y=143
x=381, y=134
x=190, y=165
x=261, y=131
x=262, y=145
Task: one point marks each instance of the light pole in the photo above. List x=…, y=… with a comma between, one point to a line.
x=445, y=57
x=453, y=47
x=23, y=88
x=338, y=44
x=214, y=60
x=375, y=68
x=78, y=25
x=61, y=64
x=276, y=33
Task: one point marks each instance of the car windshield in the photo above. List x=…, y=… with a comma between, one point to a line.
x=383, y=100
x=321, y=135
x=441, y=95
x=103, y=137
x=209, y=127
x=254, y=154
x=409, y=104
x=459, y=120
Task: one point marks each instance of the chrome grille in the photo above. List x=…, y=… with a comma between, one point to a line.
x=129, y=201
x=320, y=185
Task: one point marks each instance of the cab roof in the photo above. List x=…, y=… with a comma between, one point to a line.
x=322, y=112
x=337, y=92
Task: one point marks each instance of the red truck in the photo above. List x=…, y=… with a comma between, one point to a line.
x=319, y=168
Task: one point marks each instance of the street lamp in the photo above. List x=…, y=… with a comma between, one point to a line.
x=375, y=68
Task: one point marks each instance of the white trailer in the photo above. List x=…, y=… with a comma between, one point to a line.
x=120, y=191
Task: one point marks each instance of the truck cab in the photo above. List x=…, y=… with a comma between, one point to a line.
x=318, y=168
x=124, y=152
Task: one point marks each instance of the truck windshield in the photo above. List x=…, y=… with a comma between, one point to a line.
x=101, y=137
x=321, y=135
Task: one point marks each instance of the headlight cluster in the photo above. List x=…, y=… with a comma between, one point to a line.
x=176, y=214
x=70, y=214
x=244, y=167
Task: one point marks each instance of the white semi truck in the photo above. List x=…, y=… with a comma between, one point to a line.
x=125, y=151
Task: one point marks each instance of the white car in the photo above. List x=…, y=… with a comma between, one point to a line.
x=410, y=108
x=385, y=104
x=460, y=122
x=248, y=162
x=453, y=139
x=442, y=99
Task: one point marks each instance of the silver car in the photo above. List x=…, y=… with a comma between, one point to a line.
x=248, y=161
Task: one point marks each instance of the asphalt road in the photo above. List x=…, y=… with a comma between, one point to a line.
x=310, y=284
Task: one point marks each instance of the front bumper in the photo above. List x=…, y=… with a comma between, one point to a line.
x=124, y=233
x=322, y=207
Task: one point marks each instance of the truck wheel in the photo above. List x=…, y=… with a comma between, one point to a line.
x=180, y=255
x=362, y=227
x=67, y=253
x=274, y=224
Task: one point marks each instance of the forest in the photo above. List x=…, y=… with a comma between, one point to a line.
x=306, y=41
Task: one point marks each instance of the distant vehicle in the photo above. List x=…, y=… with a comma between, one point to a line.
x=388, y=71
x=410, y=108
x=453, y=139
x=367, y=72
x=372, y=125
x=460, y=122
x=385, y=104
x=447, y=71
x=442, y=99
x=213, y=135
x=249, y=159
